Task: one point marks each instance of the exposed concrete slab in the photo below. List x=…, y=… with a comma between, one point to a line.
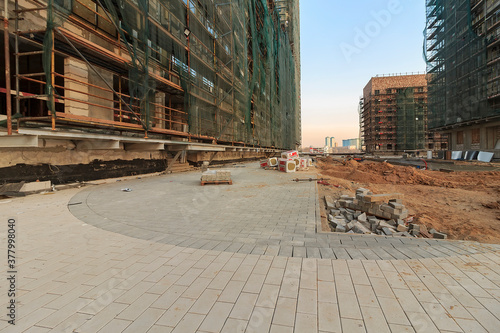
x=36, y=186
x=18, y=141
x=98, y=144
x=195, y=147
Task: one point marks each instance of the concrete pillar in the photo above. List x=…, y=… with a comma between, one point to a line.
x=160, y=112
x=105, y=97
x=76, y=70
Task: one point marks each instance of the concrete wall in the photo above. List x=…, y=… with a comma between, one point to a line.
x=61, y=155
x=198, y=157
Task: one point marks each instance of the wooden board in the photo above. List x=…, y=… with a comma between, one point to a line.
x=217, y=182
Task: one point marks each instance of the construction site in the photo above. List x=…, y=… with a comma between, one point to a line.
x=393, y=115
x=147, y=83
x=462, y=55
x=153, y=175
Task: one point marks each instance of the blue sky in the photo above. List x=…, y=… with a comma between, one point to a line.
x=344, y=44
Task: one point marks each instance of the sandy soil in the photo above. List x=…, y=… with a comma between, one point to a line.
x=464, y=205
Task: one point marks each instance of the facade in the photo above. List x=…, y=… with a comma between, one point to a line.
x=463, y=65
x=211, y=71
x=351, y=143
x=393, y=116
x=152, y=77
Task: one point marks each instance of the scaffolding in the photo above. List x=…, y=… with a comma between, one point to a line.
x=393, y=115
x=461, y=43
x=215, y=71
x=410, y=120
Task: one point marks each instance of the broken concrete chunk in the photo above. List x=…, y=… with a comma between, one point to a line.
x=432, y=231
x=350, y=225
x=330, y=203
x=402, y=228
x=36, y=186
x=440, y=235
x=399, y=201
x=340, y=228
x=335, y=212
x=382, y=197
x=360, y=228
x=414, y=226
x=392, y=222
x=360, y=197
x=384, y=224
x=396, y=205
x=330, y=217
x=362, y=190
x=362, y=218
x=387, y=231
x=415, y=232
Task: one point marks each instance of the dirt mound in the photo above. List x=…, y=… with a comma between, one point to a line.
x=465, y=205
x=386, y=173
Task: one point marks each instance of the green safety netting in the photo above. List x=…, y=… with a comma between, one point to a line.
x=455, y=50
x=410, y=122
x=238, y=80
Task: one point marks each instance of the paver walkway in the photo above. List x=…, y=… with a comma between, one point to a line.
x=77, y=277
x=263, y=212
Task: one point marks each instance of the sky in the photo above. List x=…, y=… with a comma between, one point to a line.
x=343, y=45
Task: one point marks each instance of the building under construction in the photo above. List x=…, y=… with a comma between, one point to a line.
x=463, y=56
x=148, y=79
x=393, y=115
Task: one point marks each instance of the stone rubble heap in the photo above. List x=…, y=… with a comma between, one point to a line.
x=368, y=213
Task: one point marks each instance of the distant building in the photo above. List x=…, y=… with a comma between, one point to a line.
x=394, y=115
x=351, y=143
x=463, y=66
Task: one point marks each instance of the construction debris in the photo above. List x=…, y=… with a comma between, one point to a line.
x=369, y=213
x=216, y=177
x=290, y=161
x=24, y=188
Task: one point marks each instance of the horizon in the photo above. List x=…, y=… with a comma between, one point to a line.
x=386, y=37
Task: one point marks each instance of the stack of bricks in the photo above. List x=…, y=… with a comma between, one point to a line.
x=381, y=214
x=376, y=204
x=368, y=213
x=216, y=175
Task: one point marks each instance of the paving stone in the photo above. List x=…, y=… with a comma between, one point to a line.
x=137, y=279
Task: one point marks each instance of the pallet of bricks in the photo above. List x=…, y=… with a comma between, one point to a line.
x=216, y=177
x=290, y=161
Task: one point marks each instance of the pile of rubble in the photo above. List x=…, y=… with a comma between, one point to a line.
x=290, y=161
x=380, y=214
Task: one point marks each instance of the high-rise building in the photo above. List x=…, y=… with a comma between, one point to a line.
x=393, y=115
x=351, y=143
x=463, y=57
x=153, y=75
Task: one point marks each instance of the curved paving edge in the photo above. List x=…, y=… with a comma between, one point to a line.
x=294, y=239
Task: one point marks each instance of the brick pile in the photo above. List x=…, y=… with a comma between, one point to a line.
x=368, y=213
